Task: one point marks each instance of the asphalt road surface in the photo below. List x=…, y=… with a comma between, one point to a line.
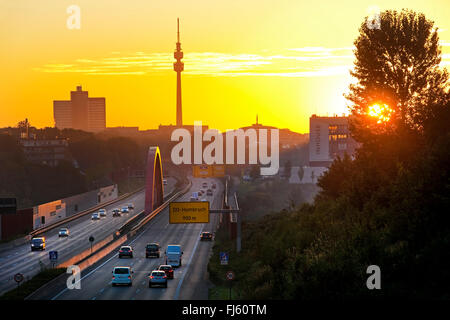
x=22, y=259
x=190, y=280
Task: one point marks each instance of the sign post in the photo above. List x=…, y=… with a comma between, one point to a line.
x=91, y=240
x=189, y=212
x=18, y=277
x=53, y=256
x=230, y=278
x=223, y=258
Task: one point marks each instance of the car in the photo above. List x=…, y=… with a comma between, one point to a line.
x=63, y=232
x=130, y=206
x=38, y=243
x=102, y=212
x=209, y=192
x=116, y=212
x=125, y=251
x=125, y=210
x=152, y=250
x=206, y=236
x=95, y=216
x=167, y=268
x=157, y=278
x=205, y=185
x=193, y=199
x=204, y=200
x=165, y=182
x=213, y=186
x=122, y=275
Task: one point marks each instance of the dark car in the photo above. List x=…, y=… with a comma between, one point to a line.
x=126, y=251
x=116, y=212
x=38, y=243
x=152, y=250
x=209, y=192
x=167, y=269
x=214, y=186
x=206, y=236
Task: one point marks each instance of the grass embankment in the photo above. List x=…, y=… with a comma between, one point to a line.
x=28, y=287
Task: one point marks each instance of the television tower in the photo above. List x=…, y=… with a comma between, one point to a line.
x=178, y=67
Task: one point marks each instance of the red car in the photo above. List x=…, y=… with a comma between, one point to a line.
x=167, y=269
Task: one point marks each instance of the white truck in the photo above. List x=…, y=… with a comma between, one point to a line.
x=173, y=255
x=194, y=196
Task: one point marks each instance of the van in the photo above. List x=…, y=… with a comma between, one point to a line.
x=174, y=255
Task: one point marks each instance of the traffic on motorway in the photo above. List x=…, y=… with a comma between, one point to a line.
x=171, y=257
x=69, y=240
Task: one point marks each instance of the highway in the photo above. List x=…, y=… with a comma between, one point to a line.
x=190, y=280
x=22, y=259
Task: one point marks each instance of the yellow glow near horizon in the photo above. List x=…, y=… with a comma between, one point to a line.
x=283, y=60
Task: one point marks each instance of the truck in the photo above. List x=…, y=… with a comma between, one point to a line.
x=194, y=196
x=173, y=255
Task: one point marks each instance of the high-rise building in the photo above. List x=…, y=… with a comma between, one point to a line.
x=80, y=112
x=329, y=137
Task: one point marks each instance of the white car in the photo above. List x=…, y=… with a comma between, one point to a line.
x=122, y=275
x=130, y=206
x=125, y=209
x=95, y=216
x=63, y=232
x=102, y=212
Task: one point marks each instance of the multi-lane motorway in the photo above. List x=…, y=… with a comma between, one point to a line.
x=21, y=260
x=190, y=280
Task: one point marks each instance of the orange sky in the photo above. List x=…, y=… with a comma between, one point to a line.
x=282, y=60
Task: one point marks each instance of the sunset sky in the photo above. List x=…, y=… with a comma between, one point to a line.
x=282, y=60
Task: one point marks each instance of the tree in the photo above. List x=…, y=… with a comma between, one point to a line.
x=397, y=65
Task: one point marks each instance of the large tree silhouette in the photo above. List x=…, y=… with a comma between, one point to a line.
x=397, y=64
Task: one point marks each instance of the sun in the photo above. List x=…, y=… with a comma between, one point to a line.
x=382, y=112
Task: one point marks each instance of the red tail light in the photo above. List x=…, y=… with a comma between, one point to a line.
x=129, y=277
x=164, y=277
x=114, y=277
x=151, y=277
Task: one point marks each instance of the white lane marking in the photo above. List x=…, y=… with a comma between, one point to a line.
x=114, y=256
x=177, y=292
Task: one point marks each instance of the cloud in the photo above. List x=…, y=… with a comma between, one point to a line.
x=293, y=62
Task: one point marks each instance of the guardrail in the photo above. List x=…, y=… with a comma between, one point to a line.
x=136, y=216
x=82, y=213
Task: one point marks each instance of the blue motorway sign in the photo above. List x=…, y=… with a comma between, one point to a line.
x=223, y=258
x=53, y=255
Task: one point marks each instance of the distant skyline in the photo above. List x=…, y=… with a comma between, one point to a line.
x=283, y=60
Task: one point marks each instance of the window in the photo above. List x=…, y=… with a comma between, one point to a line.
x=42, y=220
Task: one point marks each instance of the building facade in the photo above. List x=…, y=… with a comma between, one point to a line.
x=48, y=152
x=80, y=112
x=329, y=138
